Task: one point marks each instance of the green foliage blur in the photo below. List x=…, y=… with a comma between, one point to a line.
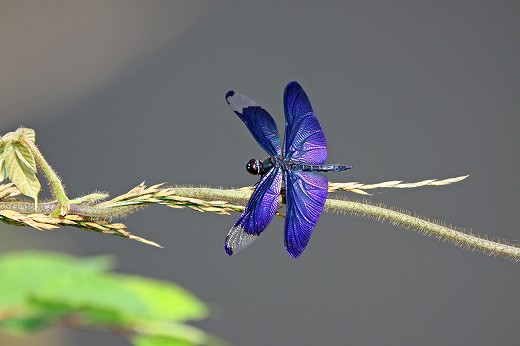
x=43, y=289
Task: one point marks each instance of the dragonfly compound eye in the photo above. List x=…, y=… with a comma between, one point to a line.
x=253, y=167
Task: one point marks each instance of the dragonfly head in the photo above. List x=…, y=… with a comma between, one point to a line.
x=254, y=167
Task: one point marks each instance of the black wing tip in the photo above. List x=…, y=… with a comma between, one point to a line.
x=228, y=250
x=229, y=94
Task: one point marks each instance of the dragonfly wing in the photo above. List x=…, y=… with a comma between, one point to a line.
x=258, y=213
x=306, y=193
x=304, y=139
x=258, y=121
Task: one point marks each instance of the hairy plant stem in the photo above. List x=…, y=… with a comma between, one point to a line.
x=494, y=247
x=463, y=238
x=212, y=194
x=56, y=187
x=459, y=237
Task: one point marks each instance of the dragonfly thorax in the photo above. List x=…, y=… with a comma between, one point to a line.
x=257, y=167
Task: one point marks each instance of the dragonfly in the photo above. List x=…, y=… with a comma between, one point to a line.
x=294, y=164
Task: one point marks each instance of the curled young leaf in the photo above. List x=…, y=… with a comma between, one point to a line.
x=21, y=169
x=28, y=134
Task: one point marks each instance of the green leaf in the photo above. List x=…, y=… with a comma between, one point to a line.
x=21, y=168
x=165, y=300
x=159, y=340
x=3, y=171
x=15, y=136
x=40, y=289
x=24, y=273
x=122, y=298
x=10, y=136
x=171, y=333
x=29, y=320
x=100, y=294
x=24, y=325
x=76, y=282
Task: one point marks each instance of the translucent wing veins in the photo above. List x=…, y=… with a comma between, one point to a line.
x=258, y=121
x=258, y=213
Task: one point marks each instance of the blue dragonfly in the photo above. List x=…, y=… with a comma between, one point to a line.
x=304, y=152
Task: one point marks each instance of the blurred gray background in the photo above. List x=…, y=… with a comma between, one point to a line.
x=125, y=91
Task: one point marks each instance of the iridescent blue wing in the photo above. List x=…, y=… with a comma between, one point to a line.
x=258, y=213
x=304, y=139
x=305, y=197
x=258, y=121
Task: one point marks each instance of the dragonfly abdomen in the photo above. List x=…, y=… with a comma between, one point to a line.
x=317, y=168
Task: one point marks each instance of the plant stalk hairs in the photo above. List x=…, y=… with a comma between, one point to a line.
x=20, y=157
